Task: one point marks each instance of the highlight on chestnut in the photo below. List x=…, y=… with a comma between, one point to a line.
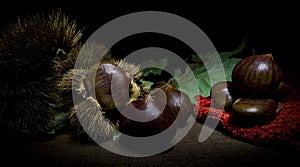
x=253, y=96
x=161, y=127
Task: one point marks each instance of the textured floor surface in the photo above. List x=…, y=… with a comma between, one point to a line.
x=218, y=150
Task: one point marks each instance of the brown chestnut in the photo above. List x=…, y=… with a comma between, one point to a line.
x=103, y=85
x=250, y=112
x=256, y=76
x=222, y=95
x=177, y=100
x=148, y=109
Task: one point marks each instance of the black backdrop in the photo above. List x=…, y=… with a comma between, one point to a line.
x=269, y=27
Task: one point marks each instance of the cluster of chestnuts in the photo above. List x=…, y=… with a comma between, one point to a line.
x=120, y=90
x=143, y=103
x=254, y=94
x=151, y=107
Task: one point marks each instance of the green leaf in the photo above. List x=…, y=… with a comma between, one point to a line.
x=146, y=84
x=202, y=73
x=186, y=83
x=207, y=71
x=228, y=67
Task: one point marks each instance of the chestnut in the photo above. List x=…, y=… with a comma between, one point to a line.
x=148, y=109
x=252, y=112
x=256, y=76
x=103, y=84
x=177, y=100
x=222, y=95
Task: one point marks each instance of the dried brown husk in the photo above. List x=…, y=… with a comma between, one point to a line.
x=87, y=121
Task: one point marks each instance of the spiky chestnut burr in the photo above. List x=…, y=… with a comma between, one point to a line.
x=83, y=82
x=29, y=48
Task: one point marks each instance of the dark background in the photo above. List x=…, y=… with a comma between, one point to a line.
x=269, y=27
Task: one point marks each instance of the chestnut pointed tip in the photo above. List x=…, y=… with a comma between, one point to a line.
x=256, y=75
x=269, y=55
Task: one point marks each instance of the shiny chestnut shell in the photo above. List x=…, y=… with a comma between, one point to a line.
x=177, y=100
x=103, y=85
x=222, y=95
x=149, y=109
x=250, y=112
x=256, y=76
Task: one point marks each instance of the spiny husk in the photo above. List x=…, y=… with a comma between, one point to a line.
x=30, y=113
x=133, y=70
x=80, y=82
x=29, y=46
x=83, y=79
x=28, y=49
x=88, y=109
x=64, y=64
x=88, y=114
x=89, y=52
x=85, y=111
x=65, y=88
x=80, y=76
x=86, y=71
